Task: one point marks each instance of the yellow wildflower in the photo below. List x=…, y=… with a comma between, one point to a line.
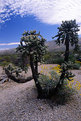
x=50, y=77
x=78, y=85
x=77, y=62
x=56, y=68
x=41, y=71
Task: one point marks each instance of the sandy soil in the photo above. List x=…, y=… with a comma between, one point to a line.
x=18, y=102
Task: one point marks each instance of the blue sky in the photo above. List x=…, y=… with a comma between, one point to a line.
x=41, y=15
x=11, y=31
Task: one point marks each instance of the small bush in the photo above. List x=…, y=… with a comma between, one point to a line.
x=4, y=63
x=48, y=82
x=72, y=65
x=72, y=58
x=64, y=94
x=78, y=62
x=6, y=59
x=54, y=58
x=55, y=84
x=76, y=66
x=58, y=61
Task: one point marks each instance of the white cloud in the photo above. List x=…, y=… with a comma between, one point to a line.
x=47, y=11
x=80, y=29
x=15, y=43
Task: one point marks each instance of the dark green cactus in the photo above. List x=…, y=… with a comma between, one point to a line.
x=13, y=69
x=68, y=34
x=32, y=44
x=65, y=74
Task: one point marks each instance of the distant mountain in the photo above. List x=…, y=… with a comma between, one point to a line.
x=8, y=51
x=52, y=46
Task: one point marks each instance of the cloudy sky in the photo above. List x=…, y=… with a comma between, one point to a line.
x=43, y=15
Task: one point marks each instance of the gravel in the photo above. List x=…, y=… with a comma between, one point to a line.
x=18, y=102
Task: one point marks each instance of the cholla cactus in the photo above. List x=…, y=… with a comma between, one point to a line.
x=64, y=70
x=68, y=34
x=32, y=44
x=65, y=74
x=13, y=73
x=13, y=69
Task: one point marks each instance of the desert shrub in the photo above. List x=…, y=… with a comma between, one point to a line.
x=48, y=82
x=79, y=59
x=53, y=58
x=6, y=59
x=64, y=94
x=76, y=66
x=58, y=61
x=79, y=62
x=4, y=63
x=72, y=65
x=72, y=58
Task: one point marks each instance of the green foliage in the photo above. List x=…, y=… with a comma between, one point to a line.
x=65, y=75
x=68, y=28
x=72, y=57
x=58, y=61
x=6, y=59
x=53, y=58
x=63, y=95
x=54, y=76
x=4, y=63
x=73, y=65
x=15, y=69
x=63, y=91
x=49, y=85
x=76, y=66
x=32, y=43
x=48, y=82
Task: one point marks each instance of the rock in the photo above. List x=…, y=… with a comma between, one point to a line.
x=4, y=80
x=2, y=77
x=40, y=108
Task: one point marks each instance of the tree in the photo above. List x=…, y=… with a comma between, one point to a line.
x=67, y=34
x=32, y=44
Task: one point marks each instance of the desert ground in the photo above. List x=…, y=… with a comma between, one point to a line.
x=18, y=102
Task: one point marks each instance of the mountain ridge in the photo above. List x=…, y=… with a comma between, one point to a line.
x=52, y=46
